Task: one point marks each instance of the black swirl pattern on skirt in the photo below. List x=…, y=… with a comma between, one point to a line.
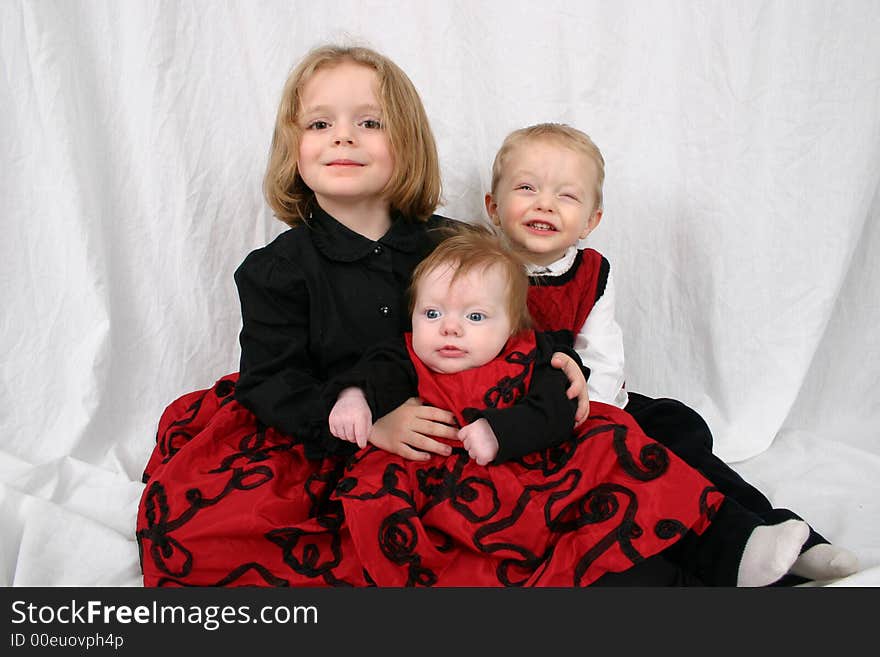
x=164, y=548
x=181, y=431
x=603, y=500
x=552, y=460
x=310, y=553
x=511, y=388
x=669, y=528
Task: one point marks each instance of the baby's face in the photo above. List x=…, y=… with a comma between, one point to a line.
x=545, y=200
x=461, y=325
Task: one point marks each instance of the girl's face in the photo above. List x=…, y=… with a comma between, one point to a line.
x=344, y=153
x=461, y=325
x=545, y=200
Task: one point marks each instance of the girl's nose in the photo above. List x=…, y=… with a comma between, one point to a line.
x=342, y=135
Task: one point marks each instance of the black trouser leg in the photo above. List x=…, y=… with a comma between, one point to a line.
x=714, y=556
x=682, y=430
x=654, y=571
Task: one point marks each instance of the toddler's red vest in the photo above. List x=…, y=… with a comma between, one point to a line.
x=562, y=303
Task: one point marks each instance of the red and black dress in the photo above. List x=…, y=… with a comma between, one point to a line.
x=555, y=509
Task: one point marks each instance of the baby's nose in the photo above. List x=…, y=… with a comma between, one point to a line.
x=451, y=326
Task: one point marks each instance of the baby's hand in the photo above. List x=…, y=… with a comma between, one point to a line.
x=351, y=418
x=479, y=440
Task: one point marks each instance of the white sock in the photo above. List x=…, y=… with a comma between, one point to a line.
x=825, y=561
x=770, y=552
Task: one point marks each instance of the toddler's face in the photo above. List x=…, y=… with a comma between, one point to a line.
x=345, y=155
x=460, y=325
x=545, y=200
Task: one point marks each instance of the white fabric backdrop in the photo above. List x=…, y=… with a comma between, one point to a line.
x=742, y=143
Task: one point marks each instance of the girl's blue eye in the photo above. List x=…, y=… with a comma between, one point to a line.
x=371, y=124
x=432, y=314
x=476, y=317
x=317, y=125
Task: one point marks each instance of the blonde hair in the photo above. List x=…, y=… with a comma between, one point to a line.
x=560, y=133
x=473, y=247
x=414, y=187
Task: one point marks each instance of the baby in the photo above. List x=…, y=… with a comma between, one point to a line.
x=527, y=501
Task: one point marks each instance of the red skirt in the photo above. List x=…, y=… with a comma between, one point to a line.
x=231, y=502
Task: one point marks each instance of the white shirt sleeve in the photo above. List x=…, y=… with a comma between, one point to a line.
x=600, y=346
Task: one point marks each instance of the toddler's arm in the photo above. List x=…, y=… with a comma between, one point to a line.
x=577, y=380
x=599, y=343
x=350, y=418
x=542, y=418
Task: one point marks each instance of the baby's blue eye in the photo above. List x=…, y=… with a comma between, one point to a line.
x=432, y=314
x=476, y=317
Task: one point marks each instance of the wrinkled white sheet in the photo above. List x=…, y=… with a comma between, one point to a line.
x=742, y=143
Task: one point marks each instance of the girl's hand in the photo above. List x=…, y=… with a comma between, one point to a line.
x=407, y=430
x=578, y=387
x=480, y=441
x=351, y=418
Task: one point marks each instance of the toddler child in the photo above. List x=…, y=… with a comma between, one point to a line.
x=546, y=196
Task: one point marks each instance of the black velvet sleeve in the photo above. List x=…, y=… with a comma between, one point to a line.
x=277, y=380
x=385, y=374
x=544, y=417
x=563, y=341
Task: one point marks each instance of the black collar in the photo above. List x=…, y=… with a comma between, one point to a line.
x=338, y=242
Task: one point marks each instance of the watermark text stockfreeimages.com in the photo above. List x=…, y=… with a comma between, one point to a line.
x=210, y=617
